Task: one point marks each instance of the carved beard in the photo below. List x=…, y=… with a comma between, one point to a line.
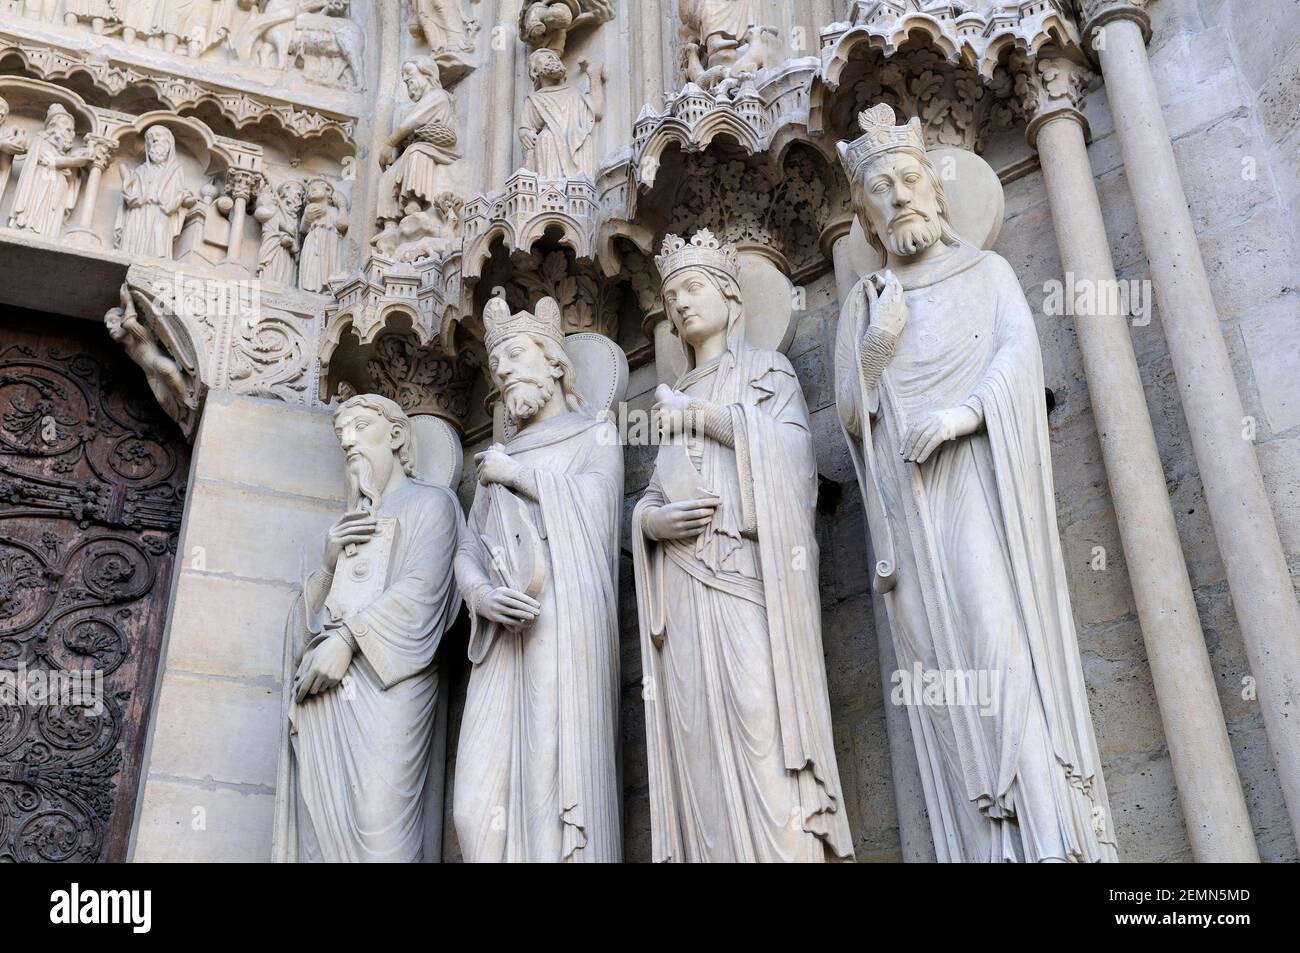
x=527, y=395
x=917, y=233
x=363, y=494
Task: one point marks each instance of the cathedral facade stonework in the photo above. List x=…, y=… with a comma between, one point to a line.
x=649, y=430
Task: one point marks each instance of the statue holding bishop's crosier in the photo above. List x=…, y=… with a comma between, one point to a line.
x=940, y=390
x=360, y=654
x=537, y=776
x=741, y=758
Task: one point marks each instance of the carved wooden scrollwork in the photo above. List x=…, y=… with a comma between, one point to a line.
x=92, y=487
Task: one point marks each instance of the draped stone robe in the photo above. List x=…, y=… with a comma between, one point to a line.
x=537, y=768
x=981, y=585
x=151, y=228
x=729, y=18
x=741, y=758
x=360, y=762
x=421, y=172
x=45, y=196
x=278, y=258
x=563, y=118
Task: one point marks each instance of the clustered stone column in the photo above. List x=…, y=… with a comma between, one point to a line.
x=1209, y=788
x=1263, y=595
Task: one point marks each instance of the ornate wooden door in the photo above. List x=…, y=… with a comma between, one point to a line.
x=92, y=484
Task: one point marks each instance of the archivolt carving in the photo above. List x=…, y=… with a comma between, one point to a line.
x=182, y=95
x=954, y=70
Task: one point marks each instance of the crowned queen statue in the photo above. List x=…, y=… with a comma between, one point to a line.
x=742, y=763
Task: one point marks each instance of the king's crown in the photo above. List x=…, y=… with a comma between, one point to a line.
x=500, y=325
x=880, y=134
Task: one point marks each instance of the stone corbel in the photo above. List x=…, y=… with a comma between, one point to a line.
x=192, y=333
x=393, y=356
x=165, y=345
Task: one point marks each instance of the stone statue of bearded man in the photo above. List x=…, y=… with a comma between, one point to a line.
x=358, y=782
x=537, y=766
x=940, y=391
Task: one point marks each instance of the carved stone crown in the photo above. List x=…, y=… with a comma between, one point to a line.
x=880, y=135
x=703, y=251
x=500, y=325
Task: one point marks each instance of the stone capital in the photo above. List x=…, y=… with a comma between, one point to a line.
x=1095, y=14
x=243, y=183
x=102, y=150
x=1052, y=88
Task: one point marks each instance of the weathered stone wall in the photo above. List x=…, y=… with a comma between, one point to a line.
x=265, y=486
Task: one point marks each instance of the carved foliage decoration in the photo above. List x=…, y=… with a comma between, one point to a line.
x=92, y=482
x=957, y=107
x=744, y=201
x=420, y=379
x=588, y=300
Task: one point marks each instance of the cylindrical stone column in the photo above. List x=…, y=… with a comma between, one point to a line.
x=1209, y=788
x=648, y=35
x=504, y=121
x=1263, y=593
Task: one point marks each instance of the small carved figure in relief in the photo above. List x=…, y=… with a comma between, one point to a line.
x=441, y=23
x=537, y=764
x=420, y=149
x=168, y=367
x=154, y=199
x=12, y=143
x=559, y=119
x=547, y=24
x=359, y=771
x=279, y=212
x=725, y=43
x=50, y=181
x=725, y=554
x=324, y=223
x=318, y=33
x=424, y=234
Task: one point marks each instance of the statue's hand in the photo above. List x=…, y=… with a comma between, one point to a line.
x=509, y=607
x=351, y=529
x=496, y=466
x=324, y=668
x=682, y=520
x=888, y=308
x=926, y=436
x=670, y=411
